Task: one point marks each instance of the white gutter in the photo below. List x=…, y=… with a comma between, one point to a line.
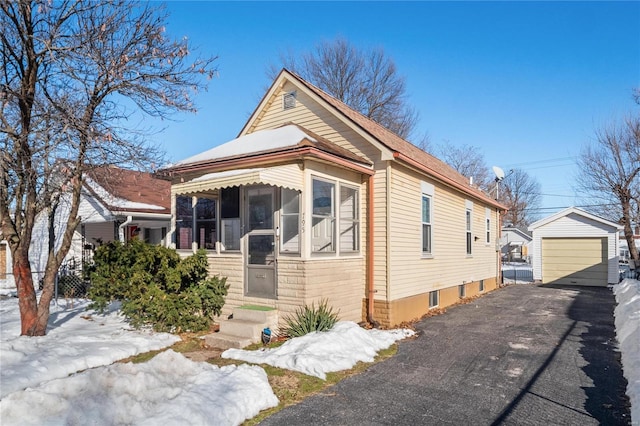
x=121, y=228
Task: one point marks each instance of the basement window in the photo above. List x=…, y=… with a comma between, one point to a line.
x=462, y=291
x=481, y=286
x=289, y=100
x=434, y=298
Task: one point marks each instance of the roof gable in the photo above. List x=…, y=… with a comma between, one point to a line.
x=573, y=211
x=392, y=146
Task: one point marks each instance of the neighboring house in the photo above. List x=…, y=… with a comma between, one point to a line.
x=116, y=204
x=315, y=201
x=574, y=247
x=625, y=254
x=515, y=244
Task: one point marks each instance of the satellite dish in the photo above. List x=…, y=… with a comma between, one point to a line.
x=498, y=172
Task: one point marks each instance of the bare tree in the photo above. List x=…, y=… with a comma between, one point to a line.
x=521, y=194
x=73, y=72
x=366, y=80
x=469, y=161
x=610, y=174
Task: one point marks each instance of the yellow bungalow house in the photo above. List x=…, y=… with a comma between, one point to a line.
x=315, y=201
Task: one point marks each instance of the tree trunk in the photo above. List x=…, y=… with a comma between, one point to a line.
x=628, y=230
x=26, y=294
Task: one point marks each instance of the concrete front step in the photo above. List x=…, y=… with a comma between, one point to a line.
x=226, y=341
x=266, y=316
x=242, y=328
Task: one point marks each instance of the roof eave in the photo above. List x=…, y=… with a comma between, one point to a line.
x=265, y=159
x=448, y=181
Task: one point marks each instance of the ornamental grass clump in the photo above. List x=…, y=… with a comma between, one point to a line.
x=310, y=318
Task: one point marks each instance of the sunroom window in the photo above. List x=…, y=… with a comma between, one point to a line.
x=323, y=217
x=206, y=235
x=290, y=221
x=184, y=222
x=230, y=218
x=349, y=219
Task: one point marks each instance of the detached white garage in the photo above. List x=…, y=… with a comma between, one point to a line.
x=574, y=247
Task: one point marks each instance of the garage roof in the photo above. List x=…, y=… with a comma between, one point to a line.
x=573, y=210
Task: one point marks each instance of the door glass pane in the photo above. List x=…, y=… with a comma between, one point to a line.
x=260, y=209
x=261, y=249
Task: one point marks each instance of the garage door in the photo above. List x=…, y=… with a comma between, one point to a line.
x=574, y=261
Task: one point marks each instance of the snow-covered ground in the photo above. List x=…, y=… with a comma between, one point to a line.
x=627, y=317
x=69, y=376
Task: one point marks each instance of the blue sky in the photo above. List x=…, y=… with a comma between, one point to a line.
x=527, y=82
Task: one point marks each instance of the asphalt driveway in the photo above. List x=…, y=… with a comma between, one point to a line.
x=521, y=355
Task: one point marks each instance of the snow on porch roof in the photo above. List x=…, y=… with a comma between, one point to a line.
x=287, y=176
x=263, y=140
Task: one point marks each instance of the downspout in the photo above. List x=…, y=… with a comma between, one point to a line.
x=370, y=248
x=121, y=228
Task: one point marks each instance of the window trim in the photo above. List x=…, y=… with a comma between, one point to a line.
x=434, y=294
x=331, y=217
x=336, y=218
x=298, y=252
x=469, y=227
x=427, y=191
x=488, y=225
x=355, y=221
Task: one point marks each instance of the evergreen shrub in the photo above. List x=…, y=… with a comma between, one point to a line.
x=156, y=287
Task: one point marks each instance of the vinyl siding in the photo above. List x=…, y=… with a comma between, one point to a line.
x=448, y=265
x=312, y=116
x=300, y=282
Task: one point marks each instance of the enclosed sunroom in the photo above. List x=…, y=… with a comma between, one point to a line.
x=281, y=213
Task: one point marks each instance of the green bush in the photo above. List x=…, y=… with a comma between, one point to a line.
x=310, y=318
x=156, y=287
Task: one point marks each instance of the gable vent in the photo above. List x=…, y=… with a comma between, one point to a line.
x=289, y=100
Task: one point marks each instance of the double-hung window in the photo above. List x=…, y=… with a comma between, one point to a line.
x=427, y=218
x=426, y=224
x=488, y=225
x=468, y=220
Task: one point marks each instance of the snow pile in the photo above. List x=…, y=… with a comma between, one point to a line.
x=169, y=390
x=319, y=353
x=262, y=140
x=77, y=339
x=627, y=316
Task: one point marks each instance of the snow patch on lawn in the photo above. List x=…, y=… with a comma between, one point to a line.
x=319, y=353
x=169, y=389
x=76, y=340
